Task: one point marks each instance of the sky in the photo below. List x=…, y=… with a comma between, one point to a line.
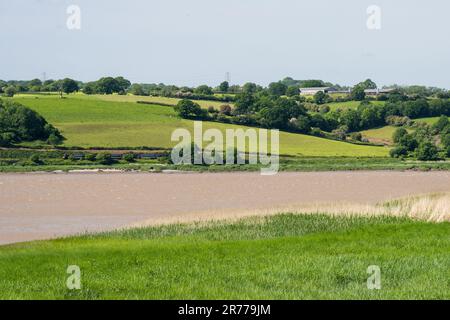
x=193, y=42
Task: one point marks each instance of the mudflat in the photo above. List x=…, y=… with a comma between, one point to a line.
x=45, y=205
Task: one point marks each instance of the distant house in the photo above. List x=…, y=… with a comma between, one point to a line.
x=377, y=92
x=313, y=91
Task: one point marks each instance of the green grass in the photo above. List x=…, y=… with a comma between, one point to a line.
x=380, y=135
x=430, y=121
x=156, y=100
x=350, y=104
x=280, y=257
x=384, y=134
x=91, y=122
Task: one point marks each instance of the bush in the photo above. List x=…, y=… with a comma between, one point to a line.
x=398, y=121
x=73, y=157
x=324, y=109
x=211, y=109
x=339, y=134
x=104, y=158
x=441, y=124
x=302, y=124
x=427, y=151
x=129, y=157
x=398, y=134
x=54, y=139
x=225, y=109
x=35, y=158
x=445, y=139
x=409, y=142
x=356, y=136
x=190, y=110
x=223, y=118
x=317, y=132
x=10, y=91
x=398, y=152
x=90, y=156
x=5, y=140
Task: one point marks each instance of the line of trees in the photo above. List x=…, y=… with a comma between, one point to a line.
x=105, y=85
x=286, y=87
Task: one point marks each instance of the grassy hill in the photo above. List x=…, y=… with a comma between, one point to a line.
x=279, y=257
x=156, y=100
x=92, y=122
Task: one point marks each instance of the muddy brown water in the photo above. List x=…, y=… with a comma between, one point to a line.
x=44, y=205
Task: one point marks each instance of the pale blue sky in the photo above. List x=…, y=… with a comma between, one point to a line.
x=191, y=42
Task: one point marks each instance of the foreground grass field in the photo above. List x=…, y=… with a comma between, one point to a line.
x=91, y=122
x=279, y=257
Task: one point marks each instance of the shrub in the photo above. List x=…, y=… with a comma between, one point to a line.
x=302, y=124
x=398, y=152
x=211, y=109
x=129, y=157
x=427, y=151
x=317, y=132
x=225, y=109
x=398, y=134
x=190, y=110
x=35, y=158
x=441, y=124
x=357, y=136
x=445, y=139
x=5, y=140
x=90, y=156
x=54, y=139
x=104, y=158
x=339, y=134
x=10, y=91
x=223, y=118
x=409, y=142
x=73, y=157
x=398, y=121
x=324, y=109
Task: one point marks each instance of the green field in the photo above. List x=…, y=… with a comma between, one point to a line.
x=279, y=257
x=350, y=104
x=91, y=122
x=384, y=134
x=156, y=100
x=380, y=135
x=429, y=121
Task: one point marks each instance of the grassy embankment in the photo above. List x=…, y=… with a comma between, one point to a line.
x=277, y=257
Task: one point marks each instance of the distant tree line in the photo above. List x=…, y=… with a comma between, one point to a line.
x=223, y=92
